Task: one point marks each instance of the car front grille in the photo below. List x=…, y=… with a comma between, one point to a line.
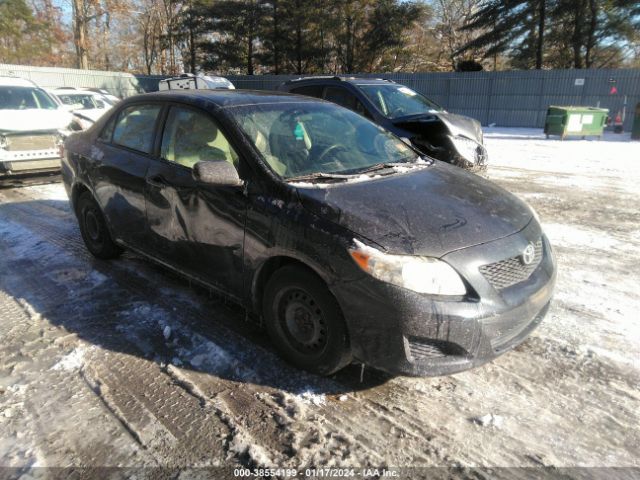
x=17, y=143
x=508, y=272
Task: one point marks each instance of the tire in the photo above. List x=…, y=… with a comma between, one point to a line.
x=93, y=229
x=305, y=322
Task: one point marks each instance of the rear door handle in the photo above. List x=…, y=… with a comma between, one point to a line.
x=157, y=181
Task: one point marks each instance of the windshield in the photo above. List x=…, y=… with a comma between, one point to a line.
x=396, y=101
x=24, y=98
x=315, y=138
x=79, y=100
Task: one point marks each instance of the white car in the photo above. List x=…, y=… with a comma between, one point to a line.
x=189, y=81
x=32, y=127
x=87, y=104
x=105, y=95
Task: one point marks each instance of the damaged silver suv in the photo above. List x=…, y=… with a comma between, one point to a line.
x=32, y=128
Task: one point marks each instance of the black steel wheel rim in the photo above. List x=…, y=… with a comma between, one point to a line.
x=92, y=226
x=302, y=321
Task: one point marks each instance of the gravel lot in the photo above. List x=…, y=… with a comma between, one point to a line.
x=124, y=364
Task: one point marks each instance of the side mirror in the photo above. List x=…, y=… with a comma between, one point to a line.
x=216, y=172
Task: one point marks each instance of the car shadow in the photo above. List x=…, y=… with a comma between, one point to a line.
x=133, y=306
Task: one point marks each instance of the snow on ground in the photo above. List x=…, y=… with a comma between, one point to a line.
x=122, y=363
x=596, y=182
x=528, y=148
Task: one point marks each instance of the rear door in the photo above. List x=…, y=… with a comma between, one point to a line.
x=196, y=228
x=124, y=152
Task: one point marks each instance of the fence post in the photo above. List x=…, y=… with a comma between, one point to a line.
x=541, y=107
x=489, y=100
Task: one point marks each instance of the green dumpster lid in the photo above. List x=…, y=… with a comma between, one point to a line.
x=578, y=108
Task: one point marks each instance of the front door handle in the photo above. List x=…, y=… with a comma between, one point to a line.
x=157, y=181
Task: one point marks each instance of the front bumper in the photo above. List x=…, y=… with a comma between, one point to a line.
x=28, y=161
x=403, y=332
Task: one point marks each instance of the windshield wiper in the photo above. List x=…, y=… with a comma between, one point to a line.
x=416, y=116
x=384, y=166
x=319, y=176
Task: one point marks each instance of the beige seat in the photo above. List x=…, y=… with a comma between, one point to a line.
x=261, y=143
x=195, y=142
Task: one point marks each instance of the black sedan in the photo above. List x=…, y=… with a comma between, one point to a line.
x=345, y=241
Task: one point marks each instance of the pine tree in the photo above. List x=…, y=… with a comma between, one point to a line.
x=510, y=25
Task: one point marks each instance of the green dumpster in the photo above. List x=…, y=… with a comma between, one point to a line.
x=579, y=121
x=635, y=129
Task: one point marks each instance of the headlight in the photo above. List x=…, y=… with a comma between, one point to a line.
x=420, y=274
x=467, y=148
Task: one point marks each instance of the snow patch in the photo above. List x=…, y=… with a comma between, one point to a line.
x=95, y=278
x=489, y=420
x=166, y=332
x=17, y=389
x=52, y=191
x=71, y=361
x=242, y=445
x=308, y=397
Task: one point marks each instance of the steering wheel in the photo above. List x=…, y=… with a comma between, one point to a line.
x=332, y=149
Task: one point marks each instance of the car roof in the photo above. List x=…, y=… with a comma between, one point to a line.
x=221, y=98
x=16, y=82
x=70, y=91
x=338, y=79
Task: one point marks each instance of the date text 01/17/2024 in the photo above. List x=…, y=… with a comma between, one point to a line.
x=316, y=473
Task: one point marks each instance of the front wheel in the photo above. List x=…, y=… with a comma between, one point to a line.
x=93, y=229
x=305, y=322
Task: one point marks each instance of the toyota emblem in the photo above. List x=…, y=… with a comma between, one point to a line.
x=528, y=254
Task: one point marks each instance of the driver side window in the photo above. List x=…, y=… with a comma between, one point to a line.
x=191, y=136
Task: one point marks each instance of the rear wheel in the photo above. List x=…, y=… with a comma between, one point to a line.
x=93, y=229
x=305, y=322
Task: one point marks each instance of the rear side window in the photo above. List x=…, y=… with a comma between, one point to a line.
x=341, y=96
x=134, y=127
x=309, y=91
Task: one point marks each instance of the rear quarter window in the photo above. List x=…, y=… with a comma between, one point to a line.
x=107, y=131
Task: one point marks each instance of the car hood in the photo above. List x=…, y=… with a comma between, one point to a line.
x=33, y=120
x=431, y=211
x=455, y=124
